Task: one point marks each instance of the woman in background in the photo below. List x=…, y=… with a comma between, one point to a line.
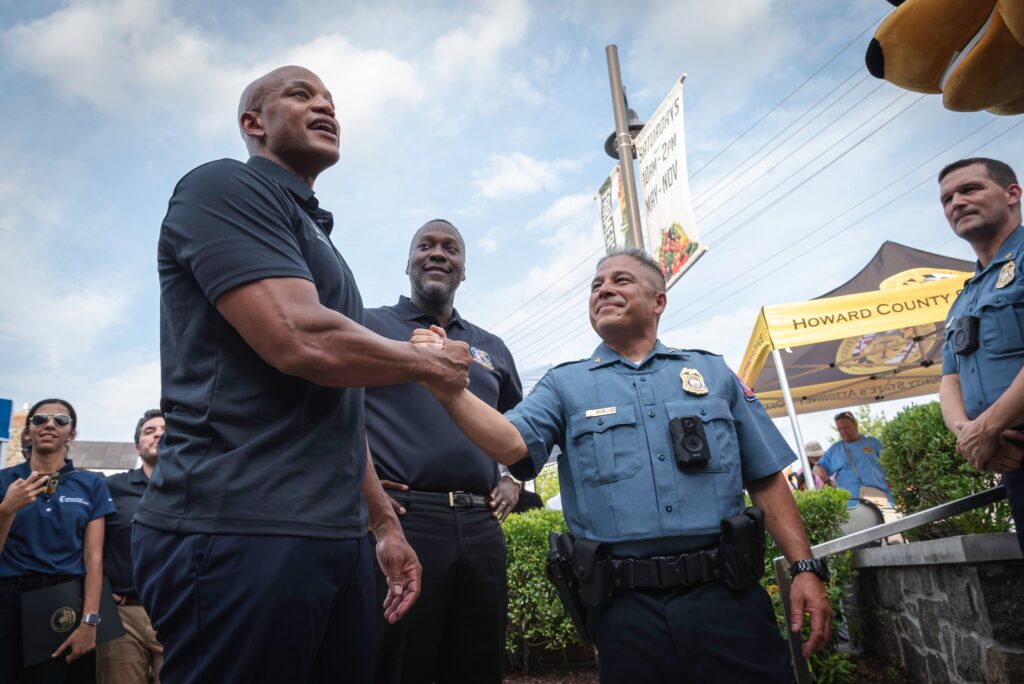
x=51, y=532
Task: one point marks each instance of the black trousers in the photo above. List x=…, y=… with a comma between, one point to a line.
x=252, y=609
x=455, y=633
x=56, y=671
x=704, y=635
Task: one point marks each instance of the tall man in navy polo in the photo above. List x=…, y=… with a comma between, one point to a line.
x=251, y=551
x=610, y=414
x=982, y=390
x=448, y=492
x=131, y=657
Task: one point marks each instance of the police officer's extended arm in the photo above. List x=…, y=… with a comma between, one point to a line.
x=484, y=426
x=978, y=440
x=807, y=594
x=283, y=321
x=396, y=558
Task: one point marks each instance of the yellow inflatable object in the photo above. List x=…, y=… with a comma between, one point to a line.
x=971, y=51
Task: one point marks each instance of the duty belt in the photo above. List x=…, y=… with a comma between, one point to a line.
x=449, y=499
x=687, y=570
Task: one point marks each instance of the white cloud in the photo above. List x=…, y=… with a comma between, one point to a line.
x=488, y=244
x=518, y=174
x=474, y=53
x=135, y=59
x=565, y=219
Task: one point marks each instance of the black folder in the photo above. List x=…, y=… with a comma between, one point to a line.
x=51, y=614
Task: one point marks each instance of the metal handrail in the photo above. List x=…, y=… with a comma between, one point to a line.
x=852, y=541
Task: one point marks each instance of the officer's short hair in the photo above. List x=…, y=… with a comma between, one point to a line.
x=652, y=268
x=148, y=415
x=998, y=171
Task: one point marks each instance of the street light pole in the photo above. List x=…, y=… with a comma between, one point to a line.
x=624, y=144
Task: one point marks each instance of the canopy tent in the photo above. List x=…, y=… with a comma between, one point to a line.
x=876, y=337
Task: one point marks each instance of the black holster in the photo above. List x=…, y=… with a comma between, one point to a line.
x=741, y=549
x=560, y=571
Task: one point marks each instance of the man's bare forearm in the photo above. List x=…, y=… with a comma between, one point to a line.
x=92, y=557
x=951, y=402
x=487, y=428
x=781, y=516
x=378, y=505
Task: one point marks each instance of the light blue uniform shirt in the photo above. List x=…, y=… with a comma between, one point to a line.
x=985, y=374
x=864, y=453
x=617, y=470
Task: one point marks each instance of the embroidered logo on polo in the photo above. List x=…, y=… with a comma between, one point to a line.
x=72, y=499
x=481, y=357
x=867, y=450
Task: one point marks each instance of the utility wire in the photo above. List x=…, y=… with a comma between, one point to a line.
x=787, y=97
x=561, y=341
x=706, y=194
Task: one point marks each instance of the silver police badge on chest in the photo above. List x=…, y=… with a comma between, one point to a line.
x=1006, y=275
x=693, y=381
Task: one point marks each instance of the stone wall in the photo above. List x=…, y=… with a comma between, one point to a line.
x=946, y=610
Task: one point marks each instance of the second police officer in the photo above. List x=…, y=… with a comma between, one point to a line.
x=657, y=446
x=982, y=390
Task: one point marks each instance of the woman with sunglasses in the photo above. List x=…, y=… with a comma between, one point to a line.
x=51, y=532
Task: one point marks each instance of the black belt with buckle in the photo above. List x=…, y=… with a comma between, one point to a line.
x=449, y=499
x=687, y=570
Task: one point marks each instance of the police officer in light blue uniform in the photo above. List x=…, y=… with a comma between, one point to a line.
x=623, y=484
x=982, y=390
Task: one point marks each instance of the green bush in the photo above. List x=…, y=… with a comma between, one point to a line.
x=536, y=619
x=547, y=483
x=924, y=470
x=822, y=511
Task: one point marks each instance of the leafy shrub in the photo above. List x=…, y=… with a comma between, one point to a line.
x=822, y=511
x=924, y=470
x=547, y=483
x=536, y=619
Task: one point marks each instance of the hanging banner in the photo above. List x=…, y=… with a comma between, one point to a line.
x=671, y=231
x=611, y=202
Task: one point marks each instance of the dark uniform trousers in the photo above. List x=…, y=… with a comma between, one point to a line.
x=704, y=635
x=56, y=671
x=455, y=633
x=252, y=609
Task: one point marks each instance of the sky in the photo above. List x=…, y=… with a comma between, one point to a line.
x=490, y=114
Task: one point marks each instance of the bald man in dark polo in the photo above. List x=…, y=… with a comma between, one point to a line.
x=250, y=548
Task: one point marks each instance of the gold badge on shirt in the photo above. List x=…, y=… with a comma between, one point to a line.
x=693, y=381
x=1006, y=275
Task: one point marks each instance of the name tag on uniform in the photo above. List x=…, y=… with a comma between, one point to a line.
x=594, y=413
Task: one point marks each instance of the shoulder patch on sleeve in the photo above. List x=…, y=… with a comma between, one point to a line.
x=748, y=393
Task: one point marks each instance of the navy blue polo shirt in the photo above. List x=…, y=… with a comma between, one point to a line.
x=412, y=438
x=47, y=536
x=248, y=449
x=126, y=489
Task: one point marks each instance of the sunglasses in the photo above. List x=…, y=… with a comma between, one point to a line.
x=59, y=419
x=845, y=414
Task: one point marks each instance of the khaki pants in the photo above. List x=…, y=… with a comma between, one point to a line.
x=889, y=514
x=127, y=659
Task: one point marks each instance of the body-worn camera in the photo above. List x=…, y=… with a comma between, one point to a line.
x=689, y=442
x=963, y=335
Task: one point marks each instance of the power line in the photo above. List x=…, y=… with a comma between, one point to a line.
x=847, y=211
x=735, y=229
x=534, y=298
x=786, y=99
x=705, y=196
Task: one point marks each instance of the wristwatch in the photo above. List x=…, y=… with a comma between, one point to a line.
x=91, y=619
x=815, y=565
